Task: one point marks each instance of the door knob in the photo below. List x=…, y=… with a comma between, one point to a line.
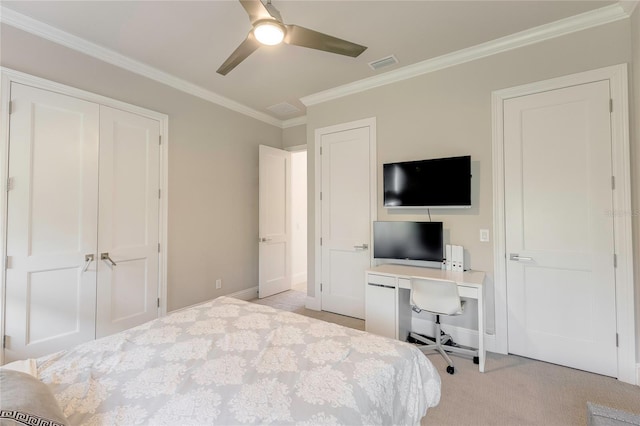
x=264, y=240
x=362, y=247
x=88, y=258
x=105, y=256
x=517, y=257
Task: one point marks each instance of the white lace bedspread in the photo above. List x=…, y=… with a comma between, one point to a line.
x=231, y=362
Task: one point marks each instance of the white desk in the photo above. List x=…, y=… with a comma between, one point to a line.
x=388, y=311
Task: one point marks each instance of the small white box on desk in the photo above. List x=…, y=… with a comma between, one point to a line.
x=457, y=253
x=448, y=259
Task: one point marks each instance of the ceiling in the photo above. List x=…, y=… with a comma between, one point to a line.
x=189, y=40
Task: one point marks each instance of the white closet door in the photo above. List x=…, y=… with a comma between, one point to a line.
x=559, y=237
x=346, y=219
x=52, y=220
x=128, y=225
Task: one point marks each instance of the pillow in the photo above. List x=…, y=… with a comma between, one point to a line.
x=599, y=415
x=25, y=400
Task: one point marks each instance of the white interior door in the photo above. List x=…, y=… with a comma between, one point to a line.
x=274, y=275
x=128, y=232
x=52, y=219
x=346, y=220
x=559, y=237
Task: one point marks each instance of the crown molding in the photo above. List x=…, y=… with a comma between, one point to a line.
x=293, y=122
x=552, y=30
x=48, y=32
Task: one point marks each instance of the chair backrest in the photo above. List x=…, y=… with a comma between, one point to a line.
x=436, y=296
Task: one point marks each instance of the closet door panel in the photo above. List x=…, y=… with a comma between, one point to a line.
x=51, y=222
x=129, y=220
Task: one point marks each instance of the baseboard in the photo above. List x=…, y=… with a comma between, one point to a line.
x=313, y=303
x=248, y=294
x=460, y=335
x=299, y=278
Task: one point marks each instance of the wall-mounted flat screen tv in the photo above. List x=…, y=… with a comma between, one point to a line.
x=434, y=183
x=408, y=240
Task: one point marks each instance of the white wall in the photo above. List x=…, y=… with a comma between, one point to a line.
x=213, y=166
x=448, y=113
x=299, y=216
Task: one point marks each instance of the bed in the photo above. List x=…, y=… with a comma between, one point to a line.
x=230, y=362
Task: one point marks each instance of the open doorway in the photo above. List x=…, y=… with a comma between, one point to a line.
x=299, y=220
x=282, y=240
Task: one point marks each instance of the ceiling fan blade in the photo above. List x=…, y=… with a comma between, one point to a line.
x=256, y=10
x=246, y=48
x=300, y=36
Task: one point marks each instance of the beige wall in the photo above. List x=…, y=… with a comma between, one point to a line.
x=448, y=112
x=213, y=167
x=294, y=136
x=634, y=101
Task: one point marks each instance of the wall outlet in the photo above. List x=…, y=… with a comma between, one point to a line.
x=484, y=235
x=218, y=284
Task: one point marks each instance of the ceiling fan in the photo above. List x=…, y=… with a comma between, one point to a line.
x=268, y=29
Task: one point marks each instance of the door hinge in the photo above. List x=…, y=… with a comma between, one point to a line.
x=4, y=341
x=320, y=240
x=10, y=107
x=320, y=150
x=613, y=182
x=158, y=302
x=617, y=340
x=160, y=140
x=159, y=193
x=320, y=195
x=615, y=260
x=7, y=262
x=9, y=184
x=610, y=105
x=158, y=247
x=320, y=287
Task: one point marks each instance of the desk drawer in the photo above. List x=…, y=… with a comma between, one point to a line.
x=381, y=280
x=469, y=292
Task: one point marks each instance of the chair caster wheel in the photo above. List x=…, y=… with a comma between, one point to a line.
x=476, y=360
x=450, y=369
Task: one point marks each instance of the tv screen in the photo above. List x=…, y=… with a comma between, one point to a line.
x=437, y=183
x=408, y=240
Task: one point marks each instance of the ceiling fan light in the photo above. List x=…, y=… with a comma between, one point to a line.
x=269, y=33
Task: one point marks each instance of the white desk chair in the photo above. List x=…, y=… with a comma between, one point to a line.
x=438, y=297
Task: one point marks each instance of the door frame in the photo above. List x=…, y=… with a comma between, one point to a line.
x=315, y=302
x=621, y=169
x=8, y=76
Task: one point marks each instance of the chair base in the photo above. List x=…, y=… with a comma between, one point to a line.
x=439, y=346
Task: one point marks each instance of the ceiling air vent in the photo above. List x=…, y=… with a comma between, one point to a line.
x=283, y=109
x=384, y=62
